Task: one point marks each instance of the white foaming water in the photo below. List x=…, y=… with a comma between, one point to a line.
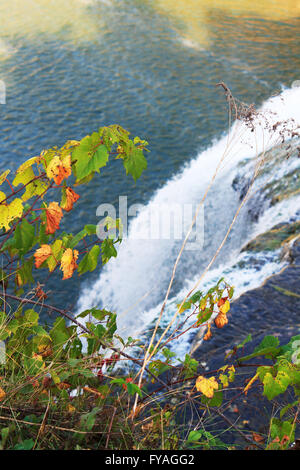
x=134, y=284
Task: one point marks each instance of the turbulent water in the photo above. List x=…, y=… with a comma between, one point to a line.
x=134, y=284
x=71, y=66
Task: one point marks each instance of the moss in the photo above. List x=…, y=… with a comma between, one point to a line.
x=274, y=238
x=283, y=188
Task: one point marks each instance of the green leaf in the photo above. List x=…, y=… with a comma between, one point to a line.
x=24, y=236
x=216, y=400
x=135, y=163
x=35, y=188
x=25, y=272
x=57, y=252
x=274, y=386
x=33, y=366
x=31, y=317
x=268, y=348
x=89, y=156
x=25, y=445
x=108, y=250
x=133, y=389
x=90, y=260
x=59, y=333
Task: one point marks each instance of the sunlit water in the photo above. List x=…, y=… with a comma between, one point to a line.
x=71, y=66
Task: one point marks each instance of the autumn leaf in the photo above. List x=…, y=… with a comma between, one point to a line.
x=250, y=383
x=68, y=263
x=71, y=409
x=206, y=386
x=39, y=291
x=225, y=307
x=208, y=334
x=42, y=254
x=257, y=437
x=45, y=350
x=2, y=394
x=69, y=199
x=53, y=215
x=9, y=212
x=3, y=176
x=63, y=386
x=59, y=169
x=221, y=320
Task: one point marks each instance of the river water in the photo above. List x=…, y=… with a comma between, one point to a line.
x=71, y=66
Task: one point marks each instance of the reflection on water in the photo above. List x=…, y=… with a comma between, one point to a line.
x=71, y=19
x=197, y=20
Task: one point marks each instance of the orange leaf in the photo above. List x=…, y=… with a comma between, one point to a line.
x=2, y=394
x=42, y=254
x=68, y=262
x=39, y=291
x=59, y=169
x=53, y=215
x=257, y=437
x=71, y=197
x=63, y=386
x=208, y=334
x=221, y=320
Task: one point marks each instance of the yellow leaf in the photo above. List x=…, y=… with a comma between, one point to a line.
x=250, y=383
x=225, y=307
x=28, y=163
x=3, y=176
x=71, y=408
x=56, y=250
x=2, y=394
x=10, y=212
x=206, y=386
x=59, y=169
x=68, y=262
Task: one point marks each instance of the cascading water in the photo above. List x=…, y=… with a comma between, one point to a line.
x=134, y=284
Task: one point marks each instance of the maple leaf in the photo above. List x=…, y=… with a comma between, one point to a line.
x=69, y=200
x=206, y=386
x=68, y=262
x=59, y=169
x=53, y=215
x=42, y=254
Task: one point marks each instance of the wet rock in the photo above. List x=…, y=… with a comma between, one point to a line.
x=272, y=309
